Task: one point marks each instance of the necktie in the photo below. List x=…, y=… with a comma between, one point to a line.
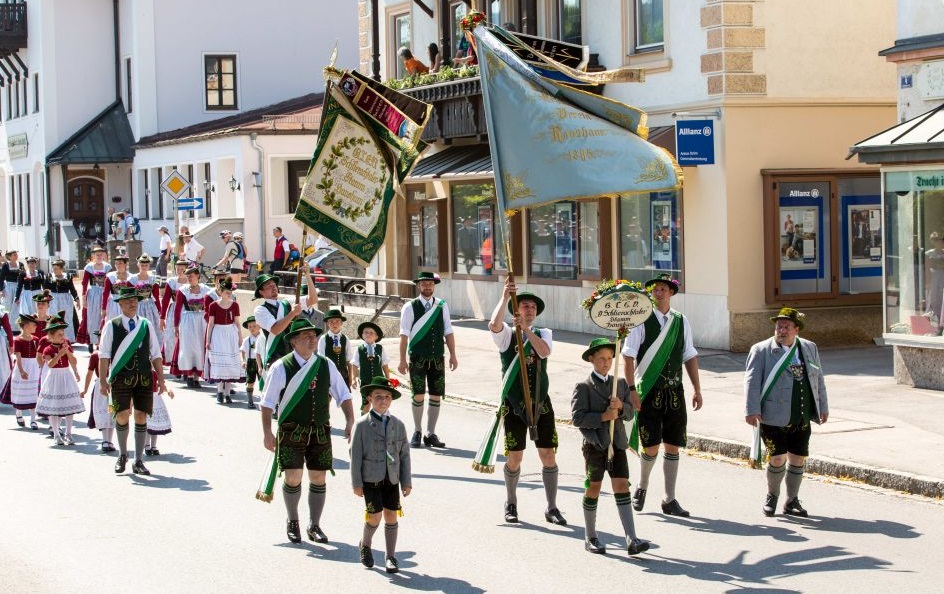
x=370, y=350
x=131, y=324
x=337, y=342
x=428, y=305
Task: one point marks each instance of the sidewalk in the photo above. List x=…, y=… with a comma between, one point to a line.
x=878, y=432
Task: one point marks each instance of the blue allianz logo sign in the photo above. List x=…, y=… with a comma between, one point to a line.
x=695, y=142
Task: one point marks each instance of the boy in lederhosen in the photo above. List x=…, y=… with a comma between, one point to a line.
x=370, y=359
x=334, y=346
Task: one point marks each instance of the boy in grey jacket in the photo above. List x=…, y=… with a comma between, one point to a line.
x=380, y=467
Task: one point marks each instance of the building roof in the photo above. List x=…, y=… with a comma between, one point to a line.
x=455, y=161
x=107, y=138
x=919, y=139
x=913, y=44
x=300, y=115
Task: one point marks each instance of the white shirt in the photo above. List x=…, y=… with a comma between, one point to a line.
x=329, y=336
x=104, y=347
x=166, y=242
x=503, y=339
x=275, y=383
x=251, y=346
x=192, y=249
x=356, y=360
x=638, y=334
x=406, y=316
x=265, y=319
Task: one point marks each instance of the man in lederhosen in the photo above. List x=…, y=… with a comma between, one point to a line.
x=300, y=387
x=129, y=352
x=785, y=390
x=274, y=316
x=424, y=327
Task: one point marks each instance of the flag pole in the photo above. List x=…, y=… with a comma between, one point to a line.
x=300, y=273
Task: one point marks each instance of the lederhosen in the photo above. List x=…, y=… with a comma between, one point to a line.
x=795, y=437
x=516, y=416
x=427, y=359
x=283, y=347
x=369, y=367
x=132, y=383
x=305, y=435
x=594, y=453
x=663, y=417
x=338, y=356
x=252, y=368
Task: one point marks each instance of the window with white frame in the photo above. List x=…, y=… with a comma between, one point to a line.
x=220, y=82
x=402, y=37
x=648, y=26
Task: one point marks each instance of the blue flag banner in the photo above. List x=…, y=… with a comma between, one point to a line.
x=550, y=141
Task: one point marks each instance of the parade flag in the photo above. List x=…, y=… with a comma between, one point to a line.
x=368, y=143
x=550, y=141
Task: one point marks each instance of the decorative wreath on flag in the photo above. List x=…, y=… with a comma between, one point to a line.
x=610, y=286
x=326, y=183
x=472, y=19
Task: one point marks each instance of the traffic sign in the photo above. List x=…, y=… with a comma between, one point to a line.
x=175, y=184
x=194, y=203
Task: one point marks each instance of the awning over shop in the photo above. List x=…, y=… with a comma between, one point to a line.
x=920, y=139
x=105, y=139
x=454, y=162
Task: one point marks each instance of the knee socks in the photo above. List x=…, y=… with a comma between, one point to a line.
x=625, y=511
x=549, y=477
x=590, y=516
x=670, y=464
x=433, y=417
x=54, y=425
x=774, y=478
x=107, y=434
x=511, y=485
x=417, y=415
x=368, y=534
x=646, y=463
x=69, y=425
x=794, y=478
x=140, y=434
x=292, y=496
x=390, y=538
x=122, y=438
x=316, y=501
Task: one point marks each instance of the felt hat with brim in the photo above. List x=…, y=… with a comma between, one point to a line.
x=57, y=325
x=127, y=293
x=192, y=270
x=380, y=383
x=225, y=285
x=664, y=278
x=60, y=263
x=144, y=259
x=299, y=326
x=595, y=345
x=427, y=276
x=372, y=326
x=334, y=314
x=26, y=319
x=788, y=313
x=98, y=249
x=31, y=259
x=263, y=279
x=527, y=296
x=11, y=252
x=248, y=321
x=44, y=297
x=122, y=257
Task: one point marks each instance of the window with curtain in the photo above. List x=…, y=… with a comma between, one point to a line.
x=649, y=28
x=220, y=82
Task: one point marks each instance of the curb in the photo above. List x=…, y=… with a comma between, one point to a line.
x=819, y=465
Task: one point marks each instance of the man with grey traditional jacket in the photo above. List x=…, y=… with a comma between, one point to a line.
x=785, y=390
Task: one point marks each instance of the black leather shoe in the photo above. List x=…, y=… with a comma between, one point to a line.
x=229, y=400
x=554, y=517
x=770, y=505
x=673, y=508
x=639, y=499
x=107, y=447
x=148, y=452
x=416, y=440
x=120, y=464
x=593, y=545
x=155, y=452
x=793, y=508
x=392, y=565
x=292, y=531
x=315, y=534
x=219, y=398
x=139, y=468
x=20, y=422
x=511, y=513
x=432, y=441
x=251, y=404
x=367, y=556
x=637, y=545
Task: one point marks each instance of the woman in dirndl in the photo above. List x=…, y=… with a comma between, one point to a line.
x=24, y=383
x=59, y=396
x=158, y=422
x=64, y=295
x=93, y=287
x=100, y=418
x=190, y=325
x=6, y=346
x=171, y=287
x=147, y=286
x=114, y=281
x=9, y=280
x=223, y=365
x=32, y=281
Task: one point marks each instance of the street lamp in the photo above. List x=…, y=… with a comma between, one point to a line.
x=208, y=187
x=233, y=183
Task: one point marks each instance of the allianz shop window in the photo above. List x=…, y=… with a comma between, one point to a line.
x=914, y=256
x=563, y=240
x=650, y=235
x=478, y=248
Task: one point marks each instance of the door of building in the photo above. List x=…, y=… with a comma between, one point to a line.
x=85, y=205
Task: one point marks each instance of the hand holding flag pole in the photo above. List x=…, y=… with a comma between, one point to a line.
x=522, y=360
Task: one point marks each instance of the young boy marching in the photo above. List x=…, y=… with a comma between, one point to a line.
x=370, y=360
x=250, y=352
x=380, y=468
x=593, y=408
x=334, y=346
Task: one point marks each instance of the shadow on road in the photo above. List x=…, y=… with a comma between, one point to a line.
x=157, y=481
x=855, y=526
x=716, y=526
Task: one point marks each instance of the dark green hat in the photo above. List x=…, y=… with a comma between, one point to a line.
x=528, y=296
x=44, y=297
x=788, y=313
x=127, y=293
x=596, y=344
x=382, y=383
x=55, y=324
x=664, y=278
x=372, y=326
x=263, y=279
x=299, y=326
x=430, y=276
x=334, y=314
x=248, y=320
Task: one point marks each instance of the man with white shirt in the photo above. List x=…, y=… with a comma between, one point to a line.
x=300, y=386
x=166, y=247
x=193, y=251
x=654, y=353
x=129, y=351
x=274, y=316
x=424, y=327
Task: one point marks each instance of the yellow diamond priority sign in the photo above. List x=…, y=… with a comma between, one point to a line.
x=175, y=184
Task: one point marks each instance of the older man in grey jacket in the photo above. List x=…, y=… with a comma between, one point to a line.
x=785, y=390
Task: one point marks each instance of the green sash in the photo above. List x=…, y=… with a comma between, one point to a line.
x=421, y=326
x=274, y=341
x=648, y=370
x=127, y=348
x=756, y=451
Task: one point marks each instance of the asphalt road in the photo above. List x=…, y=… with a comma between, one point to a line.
x=71, y=524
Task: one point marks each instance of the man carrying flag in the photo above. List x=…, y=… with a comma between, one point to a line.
x=785, y=390
x=274, y=316
x=654, y=354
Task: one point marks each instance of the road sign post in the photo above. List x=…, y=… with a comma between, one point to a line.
x=176, y=185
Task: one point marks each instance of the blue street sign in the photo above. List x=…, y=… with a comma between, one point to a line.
x=195, y=203
x=695, y=142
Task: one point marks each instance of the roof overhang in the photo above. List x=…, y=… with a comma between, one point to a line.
x=918, y=140
x=455, y=162
x=107, y=138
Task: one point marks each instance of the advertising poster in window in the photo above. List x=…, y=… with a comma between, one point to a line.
x=564, y=235
x=798, y=238
x=661, y=233
x=864, y=236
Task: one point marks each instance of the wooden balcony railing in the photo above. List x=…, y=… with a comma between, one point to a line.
x=457, y=109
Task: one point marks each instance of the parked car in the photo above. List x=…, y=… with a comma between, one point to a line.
x=326, y=263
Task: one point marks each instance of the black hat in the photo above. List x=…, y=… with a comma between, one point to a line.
x=299, y=326
x=664, y=278
x=334, y=314
x=528, y=296
x=127, y=293
x=24, y=318
x=382, y=383
x=225, y=285
x=596, y=344
x=788, y=313
x=263, y=279
x=372, y=326
x=427, y=276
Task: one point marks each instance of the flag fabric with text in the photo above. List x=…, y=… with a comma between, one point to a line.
x=550, y=141
x=368, y=143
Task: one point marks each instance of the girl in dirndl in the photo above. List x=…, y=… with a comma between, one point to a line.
x=100, y=419
x=158, y=422
x=114, y=281
x=6, y=346
x=64, y=295
x=59, y=396
x=24, y=384
x=223, y=364
x=146, y=284
x=190, y=326
x=167, y=307
x=32, y=281
x=93, y=287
